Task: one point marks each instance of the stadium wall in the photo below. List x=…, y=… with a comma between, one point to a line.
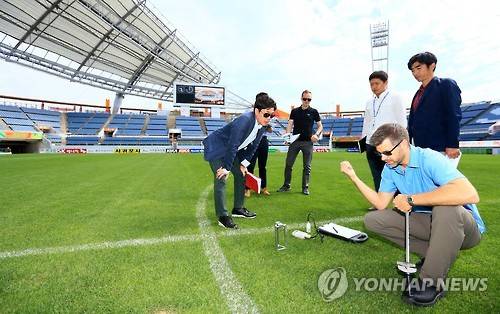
x=108, y=149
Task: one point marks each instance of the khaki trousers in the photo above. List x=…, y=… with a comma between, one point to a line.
x=437, y=237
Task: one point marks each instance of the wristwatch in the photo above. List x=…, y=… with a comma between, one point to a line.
x=409, y=199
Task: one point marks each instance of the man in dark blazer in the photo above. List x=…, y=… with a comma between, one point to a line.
x=435, y=113
x=230, y=149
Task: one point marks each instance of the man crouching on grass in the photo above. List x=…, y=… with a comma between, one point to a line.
x=444, y=219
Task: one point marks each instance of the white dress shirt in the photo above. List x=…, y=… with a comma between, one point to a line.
x=249, y=140
x=386, y=108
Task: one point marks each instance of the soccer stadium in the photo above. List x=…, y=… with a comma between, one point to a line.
x=109, y=208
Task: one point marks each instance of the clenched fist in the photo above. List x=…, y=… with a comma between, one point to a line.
x=401, y=203
x=347, y=169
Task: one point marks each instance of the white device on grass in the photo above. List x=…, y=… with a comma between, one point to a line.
x=344, y=233
x=299, y=234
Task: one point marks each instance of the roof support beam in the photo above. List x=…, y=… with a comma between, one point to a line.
x=147, y=62
x=195, y=57
x=216, y=78
x=37, y=23
x=137, y=40
x=105, y=37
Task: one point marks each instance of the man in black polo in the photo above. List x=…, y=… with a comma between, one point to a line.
x=302, y=120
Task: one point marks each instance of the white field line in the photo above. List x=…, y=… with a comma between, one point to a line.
x=237, y=299
x=155, y=241
x=99, y=246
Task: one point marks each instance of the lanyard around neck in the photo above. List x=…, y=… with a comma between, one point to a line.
x=375, y=114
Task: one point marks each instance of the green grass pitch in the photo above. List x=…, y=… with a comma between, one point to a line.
x=51, y=201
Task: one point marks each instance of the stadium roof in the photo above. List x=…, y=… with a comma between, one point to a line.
x=119, y=45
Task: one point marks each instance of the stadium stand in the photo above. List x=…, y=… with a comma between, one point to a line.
x=16, y=119
x=133, y=126
x=144, y=60
x=324, y=140
x=341, y=127
x=54, y=138
x=86, y=123
x=157, y=126
x=190, y=127
x=46, y=120
x=327, y=125
x=476, y=120
x=118, y=121
x=357, y=126
x=279, y=128
x=213, y=124
x=83, y=128
x=136, y=140
x=82, y=140
x=471, y=111
x=3, y=126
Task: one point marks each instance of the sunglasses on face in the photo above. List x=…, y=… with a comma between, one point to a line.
x=306, y=99
x=388, y=152
x=268, y=115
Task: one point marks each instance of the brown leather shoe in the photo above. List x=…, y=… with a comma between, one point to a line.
x=265, y=191
x=247, y=193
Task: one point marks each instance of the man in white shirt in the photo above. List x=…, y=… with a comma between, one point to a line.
x=384, y=107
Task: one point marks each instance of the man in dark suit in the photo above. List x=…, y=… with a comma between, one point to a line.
x=261, y=153
x=230, y=149
x=435, y=113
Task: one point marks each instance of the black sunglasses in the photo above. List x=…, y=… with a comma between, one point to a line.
x=388, y=152
x=306, y=99
x=267, y=115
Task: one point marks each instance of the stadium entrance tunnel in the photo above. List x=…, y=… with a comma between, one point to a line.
x=20, y=147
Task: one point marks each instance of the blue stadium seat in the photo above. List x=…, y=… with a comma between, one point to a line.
x=472, y=136
x=23, y=128
x=9, y=108
x=82, y=140
x=12, y=114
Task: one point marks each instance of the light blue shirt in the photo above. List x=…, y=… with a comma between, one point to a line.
x=426, y=171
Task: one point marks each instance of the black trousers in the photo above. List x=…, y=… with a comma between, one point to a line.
x=220, y=187
x=261, y=155
x=376, y=165
x=306, y=147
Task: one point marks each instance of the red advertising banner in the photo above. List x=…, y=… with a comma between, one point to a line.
x=73, y=151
